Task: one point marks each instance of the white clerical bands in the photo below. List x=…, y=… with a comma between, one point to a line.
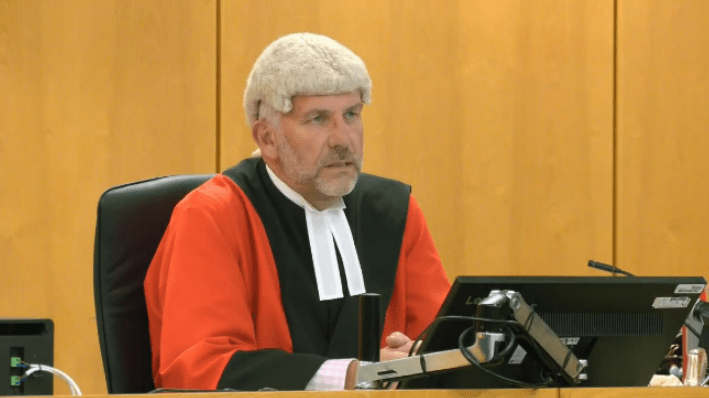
x=322, y=227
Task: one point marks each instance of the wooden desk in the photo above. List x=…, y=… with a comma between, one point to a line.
x=631, y=392
x=640, y=392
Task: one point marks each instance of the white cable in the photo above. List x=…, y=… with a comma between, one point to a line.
x=44, y=368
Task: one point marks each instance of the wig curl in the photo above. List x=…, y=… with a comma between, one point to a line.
x=303, y=64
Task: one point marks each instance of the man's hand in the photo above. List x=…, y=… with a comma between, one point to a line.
x=398, y=346
x=351, y=375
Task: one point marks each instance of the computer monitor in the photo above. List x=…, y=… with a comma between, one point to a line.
x=25, y=341
x=623, y=326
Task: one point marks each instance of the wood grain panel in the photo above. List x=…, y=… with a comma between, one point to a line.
x=636, y=392
x=500, y=393
x=538, y=135
x=663, y=137
x=94, y=93
x=499, y=113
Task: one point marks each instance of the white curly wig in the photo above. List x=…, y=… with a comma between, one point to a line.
x=303, y=64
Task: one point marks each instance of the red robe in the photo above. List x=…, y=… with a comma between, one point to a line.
x=215, y=302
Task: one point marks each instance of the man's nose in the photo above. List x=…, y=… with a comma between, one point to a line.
x=339, y=133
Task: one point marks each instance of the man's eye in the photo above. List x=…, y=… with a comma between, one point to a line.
x=351, y=114
x=317, y=119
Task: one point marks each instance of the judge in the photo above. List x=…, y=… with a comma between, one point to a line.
x=254, y=283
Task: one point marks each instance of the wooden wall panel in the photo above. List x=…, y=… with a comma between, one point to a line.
x=92, y=94
x=499, y=113
x=663, y=137
x=538, y=142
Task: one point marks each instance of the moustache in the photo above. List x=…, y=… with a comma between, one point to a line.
x=340, y=158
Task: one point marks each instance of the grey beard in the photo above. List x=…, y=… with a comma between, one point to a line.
x=338, y=188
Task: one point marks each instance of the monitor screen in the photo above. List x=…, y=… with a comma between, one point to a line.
x=25, y=341
x=622, y=326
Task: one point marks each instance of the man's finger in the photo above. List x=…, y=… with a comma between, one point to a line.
x=397, y=339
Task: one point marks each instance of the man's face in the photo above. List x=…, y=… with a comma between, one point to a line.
x=320, y=145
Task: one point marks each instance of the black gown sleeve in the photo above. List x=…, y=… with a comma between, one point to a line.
x=269, y=369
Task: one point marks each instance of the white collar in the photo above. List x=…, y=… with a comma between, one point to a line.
x=323, y=226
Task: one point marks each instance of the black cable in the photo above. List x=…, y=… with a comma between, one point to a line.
x=454, y=318
x=509, y=332
x=473, y=361
x=508, y=347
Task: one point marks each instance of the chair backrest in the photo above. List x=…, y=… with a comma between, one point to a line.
x=130, y=224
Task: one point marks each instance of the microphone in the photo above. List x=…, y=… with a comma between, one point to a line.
x=370, y=305
x=608, y=268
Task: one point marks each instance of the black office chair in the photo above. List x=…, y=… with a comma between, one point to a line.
x=130, y=223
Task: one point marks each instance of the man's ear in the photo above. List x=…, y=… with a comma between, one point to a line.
x=264, y=136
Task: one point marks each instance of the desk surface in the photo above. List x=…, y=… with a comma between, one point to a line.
x=641, y=392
